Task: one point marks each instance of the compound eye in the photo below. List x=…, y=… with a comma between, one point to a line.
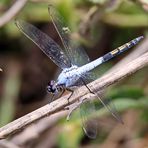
x=51, y=87
x=48, y=89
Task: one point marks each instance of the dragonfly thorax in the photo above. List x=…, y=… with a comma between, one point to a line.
x=69, y=76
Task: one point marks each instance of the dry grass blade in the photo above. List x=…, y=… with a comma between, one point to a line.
x=12, y=12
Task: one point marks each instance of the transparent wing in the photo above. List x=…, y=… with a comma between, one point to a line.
x=107, y=103
x=87, y=108
x=76, y=55
x=89, y=125
x=45, y=43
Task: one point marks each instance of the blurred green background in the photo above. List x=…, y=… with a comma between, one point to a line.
x=99, y=26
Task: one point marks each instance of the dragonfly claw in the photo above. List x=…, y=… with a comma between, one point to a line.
x=66, y=108
x=73, y=108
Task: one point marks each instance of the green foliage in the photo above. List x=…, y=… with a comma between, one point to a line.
x=67, y=10
x=4, y=2
x=123, y=104
x=125, y=92
x=128, y=14
x=101, y=2
x=70, y=135
x=7, y=106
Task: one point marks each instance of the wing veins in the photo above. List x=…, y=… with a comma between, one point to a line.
x=45, y=43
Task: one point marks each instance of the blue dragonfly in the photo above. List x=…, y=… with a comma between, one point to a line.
x=76, y=68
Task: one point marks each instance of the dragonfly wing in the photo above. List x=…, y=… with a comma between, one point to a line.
x=87, y=108
x=107, y=103
x=77, y=55
x=45, y=43
x=89, y=125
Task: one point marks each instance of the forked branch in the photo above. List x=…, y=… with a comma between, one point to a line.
x=61, y=103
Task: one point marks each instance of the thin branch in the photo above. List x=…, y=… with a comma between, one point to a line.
x=34, y=131
x=12, y=12
x=86, y=21
x=6, y=144
x=61, y=103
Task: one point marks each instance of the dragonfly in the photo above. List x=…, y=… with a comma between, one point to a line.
x=76, y=67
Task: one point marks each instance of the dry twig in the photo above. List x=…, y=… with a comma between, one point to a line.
x=62, y=102
x=12, y=12
x=7, y=144
x=34, y=131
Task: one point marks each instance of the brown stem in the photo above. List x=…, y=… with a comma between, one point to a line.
x=12, y=12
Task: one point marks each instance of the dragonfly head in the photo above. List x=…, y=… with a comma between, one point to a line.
x=52, y=88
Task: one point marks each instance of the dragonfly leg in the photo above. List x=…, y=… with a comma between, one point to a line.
x=52, y=98
x=73, y=108
x=87, y=86
x=70, y=90
x=62, y=92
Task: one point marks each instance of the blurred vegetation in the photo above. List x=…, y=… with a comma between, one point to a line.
x=99, y=26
